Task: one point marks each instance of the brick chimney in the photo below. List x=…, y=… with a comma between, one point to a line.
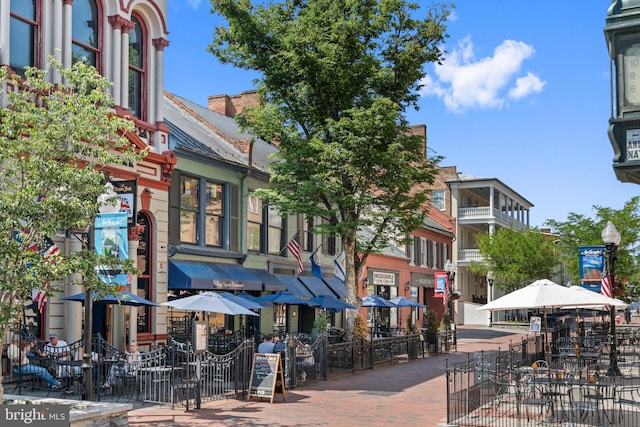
x=420, y=130
x=234, y=104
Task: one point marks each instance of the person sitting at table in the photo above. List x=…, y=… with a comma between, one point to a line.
x=267, y=345
x=22, y=365
x=127, y=369
x=58, y=350
x=305, y=359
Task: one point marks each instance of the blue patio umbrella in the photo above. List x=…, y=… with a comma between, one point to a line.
x=406, y=302
x=282, y=297
x=211, y=302
x=634, y=305
x=122, y=298
x=329, y=303
x=376, y=301
x=245, y=302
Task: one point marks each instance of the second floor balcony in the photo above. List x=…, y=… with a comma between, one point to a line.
x=485, y=214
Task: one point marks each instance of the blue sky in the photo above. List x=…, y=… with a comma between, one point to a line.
x=523, y=96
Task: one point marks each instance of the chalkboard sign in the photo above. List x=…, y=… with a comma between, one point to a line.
x=266, y=373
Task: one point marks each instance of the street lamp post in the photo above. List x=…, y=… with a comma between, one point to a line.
x=490, y=280
x=611, y=238
x=450, y=268
x=107, y=205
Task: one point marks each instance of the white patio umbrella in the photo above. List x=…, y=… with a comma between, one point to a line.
x=599, y=301
x=539, y=294
x=211, y=302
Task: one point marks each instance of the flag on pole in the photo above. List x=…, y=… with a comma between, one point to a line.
x=316, y=268
x=446, y=294
x=294, y=247
x=338, y=267
x=606, y=288
x=50, y=252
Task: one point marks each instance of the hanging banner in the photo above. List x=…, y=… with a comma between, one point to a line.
x=441, y=282
x=111, y=240
x=126, y=190
x=591, y=264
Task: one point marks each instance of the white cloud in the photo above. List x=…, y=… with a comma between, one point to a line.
x=464, y=82
x=194, y=3
x=526, y=85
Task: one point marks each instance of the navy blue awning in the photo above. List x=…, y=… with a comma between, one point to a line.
x=295, y=286
x=336, y=286
x=184, y=274
x=316, y=285
x=269, y=281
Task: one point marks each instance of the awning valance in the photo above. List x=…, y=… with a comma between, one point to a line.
x=295, y=286
x=317, y=286
x=269, y=281
x=187, y=274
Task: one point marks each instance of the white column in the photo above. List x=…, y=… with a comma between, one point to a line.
x=115, y=58
x=4, y=31
x=157, y=113
x=67, y=33
x=124, y=66
x=56, y=36
x=491, y=200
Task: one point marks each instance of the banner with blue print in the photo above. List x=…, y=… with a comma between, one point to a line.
x=590, y=264
x=111, y=240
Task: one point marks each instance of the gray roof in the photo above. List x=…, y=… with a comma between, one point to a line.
x=198, y=129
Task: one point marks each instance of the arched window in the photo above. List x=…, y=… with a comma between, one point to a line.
x=85, y=32
x=23, y=35
x=137, y=80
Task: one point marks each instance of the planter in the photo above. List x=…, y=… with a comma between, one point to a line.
x=84, y=413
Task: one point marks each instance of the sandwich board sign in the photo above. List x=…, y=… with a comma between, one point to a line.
x=267, y=376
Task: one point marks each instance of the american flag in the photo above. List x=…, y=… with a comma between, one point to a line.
x=294, y=247
x=606, y=288
x=446, y=295
x=50, y=252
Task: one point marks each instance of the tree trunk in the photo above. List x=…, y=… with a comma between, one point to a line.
x=350, y=282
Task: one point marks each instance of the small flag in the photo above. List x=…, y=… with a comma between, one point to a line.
x=606, y=288
x=50, y=252
x=316, y=268
x=446, y=294
x=294, y=247
x=338, y=267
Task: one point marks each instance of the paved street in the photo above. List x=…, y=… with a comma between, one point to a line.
x=407, y=394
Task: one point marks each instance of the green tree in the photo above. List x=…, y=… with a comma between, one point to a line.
x=54, y=142
x=336, y=78
x=579, y=230
x=515, y=257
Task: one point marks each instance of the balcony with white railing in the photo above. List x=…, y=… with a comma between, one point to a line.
x=483, y=214
x=465, y=256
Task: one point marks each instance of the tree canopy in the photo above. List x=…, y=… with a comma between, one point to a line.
x=516, y=257
x=336, y=80
x=55, y=139
x=579, y=230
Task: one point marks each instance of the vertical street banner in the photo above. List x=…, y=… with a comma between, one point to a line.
x=441, y=282
x=591, y=264
x=111, y=240
x=126, y=191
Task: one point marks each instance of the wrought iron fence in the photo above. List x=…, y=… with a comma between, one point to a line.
x=520, y=386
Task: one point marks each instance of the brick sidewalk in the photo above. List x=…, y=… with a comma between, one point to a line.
x=407, y=394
